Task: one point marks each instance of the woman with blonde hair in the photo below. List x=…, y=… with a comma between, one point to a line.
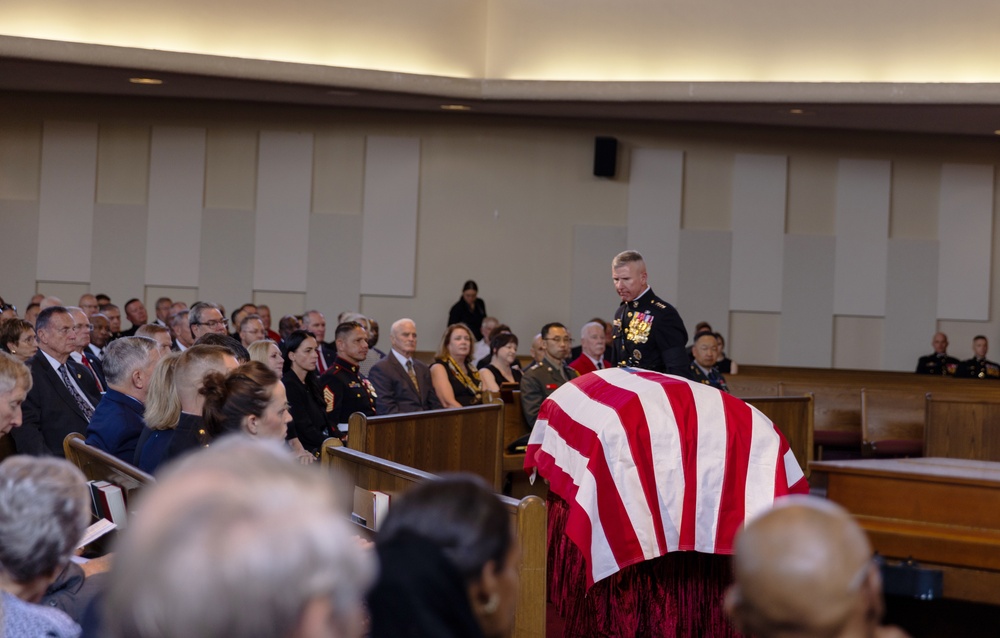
x=267, y=352
x=456, y=382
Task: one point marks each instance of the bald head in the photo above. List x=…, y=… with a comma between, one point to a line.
x=804, y=569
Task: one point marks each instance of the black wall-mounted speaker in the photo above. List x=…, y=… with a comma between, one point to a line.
x=605, y=156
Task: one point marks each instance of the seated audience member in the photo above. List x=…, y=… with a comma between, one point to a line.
x=174, y=404
x=470, y=310
x=163, y=305
x=345, y=389
x=286, y=325
x=374, y=354
x=239, y=541
x=135, y=312
x=592, y=354
x=724, y=364
x=17, y=337
x=448, y=564
x=481, y=350
x=805, y=569
x=15, y=382
x=485, y=361
x=251, y=329
x=236, y=319
x=265, y=317
x=206, y=318
x=100, y=335
x=455, y=381
x=7, y=311
x=63, y=393
x=88, y=303
x=234, y=346
x=159, y=334
x=310, y=420
x=540, y=381
x=49, y=301
x=503, y=363
x=114, y=316
x=537, y=352
x=44, y=510
x=118, y=420
x=938, y=362
x=701, y=326
x=978, y=367
x=402, y=383
x=101, y=299
x=702, y=369
x=249, y=399
x=268, y=353
x=181, y=329
x=82, y=354
x=576, y=351
x=31, y=312
x=314, y=322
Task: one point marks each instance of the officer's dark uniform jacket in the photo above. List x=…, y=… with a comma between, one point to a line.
x=648, y=333
x=346, y=391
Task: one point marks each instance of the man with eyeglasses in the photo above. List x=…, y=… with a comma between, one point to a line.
x=82, y=354
x=647, y=332
x=206, y=317
x=63, y=394
x=540, y=381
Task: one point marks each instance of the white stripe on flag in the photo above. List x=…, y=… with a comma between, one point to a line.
x=665, y=445
x=602, y=559
x=765, y=447
x=605, y=421
x=793, y=471
x=712, y=439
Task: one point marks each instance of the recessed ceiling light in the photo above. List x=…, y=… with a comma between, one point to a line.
x=145, y=81
x=455, y=107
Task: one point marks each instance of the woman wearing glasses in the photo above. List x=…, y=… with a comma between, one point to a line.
x=455, y=380
x=17, y=337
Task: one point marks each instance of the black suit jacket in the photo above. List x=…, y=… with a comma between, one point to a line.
x=394, y=390
x=49, y=411
x=98, y=367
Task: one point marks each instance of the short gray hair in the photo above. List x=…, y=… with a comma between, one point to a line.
x=196, y=311
x=627, y=257
x=44, y=510
x=13, y=373
x=590, y=324
x=125, y=355
x=208, y=533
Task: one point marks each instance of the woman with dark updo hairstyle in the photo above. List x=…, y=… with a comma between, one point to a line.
x=249, y=399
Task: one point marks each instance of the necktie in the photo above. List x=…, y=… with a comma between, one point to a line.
x=93, y=373
x=413, y=375
x=600, y=364
x=320, y=363
x=82, y=403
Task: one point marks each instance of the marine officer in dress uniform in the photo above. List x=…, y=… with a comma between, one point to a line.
x=647, y=331
x=345, y=389
x=705, y=351
x=979, y=367
x=939, y=362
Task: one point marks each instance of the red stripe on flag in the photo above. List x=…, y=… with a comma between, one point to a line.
x=630, y=412
x=732, y=507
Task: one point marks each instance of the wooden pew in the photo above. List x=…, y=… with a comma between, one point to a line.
x=962, y=427
x=98, y=465
x=794, y=417
x=454, y=440
x=892, y=422
x=836, y=414
x=514, y=428
x=528, y=516
x=942, y=513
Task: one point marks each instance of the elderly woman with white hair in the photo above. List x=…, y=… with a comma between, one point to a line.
x=44, y=510
x=15, y=381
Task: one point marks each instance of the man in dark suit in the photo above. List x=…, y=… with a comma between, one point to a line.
x=315, y=322
x=83, y=354
x=117, y=422
x=938, y=363
x=592, y=349
x=135, y=312
x=64, y=394
x=403, y=384
x=648, y=332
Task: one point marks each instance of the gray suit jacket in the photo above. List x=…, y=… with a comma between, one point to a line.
x=395, y=391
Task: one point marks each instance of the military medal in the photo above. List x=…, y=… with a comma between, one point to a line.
x=637, y=354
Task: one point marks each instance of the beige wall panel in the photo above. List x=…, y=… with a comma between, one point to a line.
x=230, y=168
x=69, y=293
x=66, y=201
x=857, y=342
x=227, y=239
x=704, y=293
x=333, y=280
x=753, y=337
x=708, y=188
x=593, y=293
x=119, y=251
x=859, y=276
x=338, y=172
x=18, y=219
x=812, y=194
x=911, y=302
x=655, y=204
x=187, y=295
x=20, y=159
x=281, y=304
x=807, y=301
x=965, y=229
x=122, y=164
x=916, y=190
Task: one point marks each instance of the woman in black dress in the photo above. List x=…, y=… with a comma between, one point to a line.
x=309, y=420
x=470, y=310
x=503, y=366
x=455, y=380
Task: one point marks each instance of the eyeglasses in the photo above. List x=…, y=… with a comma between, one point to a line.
x=214, y=323
x=560, y=339
x=8, y=306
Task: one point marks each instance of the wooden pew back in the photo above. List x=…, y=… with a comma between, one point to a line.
x=794, y=417
x=835, y=407
x=98, y=465
x=962, y=427
x=891, y=414
x=454, y=440
x=528, y=516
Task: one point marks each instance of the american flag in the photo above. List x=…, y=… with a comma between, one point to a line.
x=651, y=463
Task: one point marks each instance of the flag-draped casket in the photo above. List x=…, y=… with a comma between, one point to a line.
x=650, y=463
